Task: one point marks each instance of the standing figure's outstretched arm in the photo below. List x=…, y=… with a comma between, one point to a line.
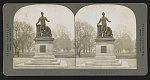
x=108, y=20
x=47, y=19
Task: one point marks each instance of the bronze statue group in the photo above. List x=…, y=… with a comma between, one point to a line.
x=42, y=29
x=103, y=30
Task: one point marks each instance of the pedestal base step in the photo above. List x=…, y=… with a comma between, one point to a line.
x=43, y=54
x=43, y=62
x=105, y=54
x=44, y=57
x=103, y=63
x=105, y=57
x=124, y=65
x=62, y=65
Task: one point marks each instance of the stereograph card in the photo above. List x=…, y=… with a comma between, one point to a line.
x=74, y=39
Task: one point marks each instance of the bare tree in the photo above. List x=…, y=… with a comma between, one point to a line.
x=23, y=37
x=124, y=43
x=85, y=35
x=123, y=39
x=17, y=37
x=121, y=30
x=62, y=38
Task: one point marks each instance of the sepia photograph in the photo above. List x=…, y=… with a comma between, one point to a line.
x=75, y=39
x=105, y=37
x=43, y=37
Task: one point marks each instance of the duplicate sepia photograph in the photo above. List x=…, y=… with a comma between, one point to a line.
x=105, y=37
x=99, y=36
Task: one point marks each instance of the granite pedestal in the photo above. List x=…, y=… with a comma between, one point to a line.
x=44, y=54
x=105, y=57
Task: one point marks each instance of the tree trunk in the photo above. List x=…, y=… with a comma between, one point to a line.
x=89, y=49
x=80, y=53
x=18, y=53
x=84, y=49
x=22, y=50
x=29, y=50
x=15, y=51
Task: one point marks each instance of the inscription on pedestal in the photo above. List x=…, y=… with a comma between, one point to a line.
x=103, y=49
x=42, y=48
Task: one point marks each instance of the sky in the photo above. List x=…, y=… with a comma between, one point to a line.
x=117, y=14
x=57, y=14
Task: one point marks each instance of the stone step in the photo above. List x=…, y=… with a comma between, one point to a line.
x=43, y=60
x=103, y=64
x=105, y=54
x=43, y=54
x=44, y=57
x=105, y=57
x=105, y=61
x=43, y=63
